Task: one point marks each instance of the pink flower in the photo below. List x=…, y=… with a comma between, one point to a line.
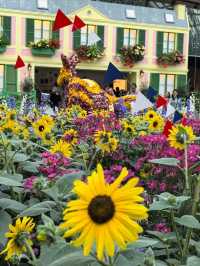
x=29, y=182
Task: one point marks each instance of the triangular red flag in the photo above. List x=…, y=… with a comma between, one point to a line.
x=78, y=24
x=19, y=62
x=167, y=127
x=61, y=20
x=160, y=101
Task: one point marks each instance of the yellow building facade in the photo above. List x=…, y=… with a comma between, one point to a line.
x=161, y=31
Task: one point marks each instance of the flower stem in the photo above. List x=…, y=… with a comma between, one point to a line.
x=187, y=185
x=176, y=232
x=31, y=252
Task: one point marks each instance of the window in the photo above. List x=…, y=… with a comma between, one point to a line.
x=169, y=18
x=130, y=13
x=168, y=42
x=130, y=37
x=1, y=77
x=85, y=32
x=42, y=4
x=42, y=30
x=167, y=84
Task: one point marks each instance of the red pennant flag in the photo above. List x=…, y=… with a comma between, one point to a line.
x=19, y=63
x=168, y=126
x=160, y=101
x=61, y=20
x=78, y=24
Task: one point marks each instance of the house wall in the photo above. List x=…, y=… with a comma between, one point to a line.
x=148, y=65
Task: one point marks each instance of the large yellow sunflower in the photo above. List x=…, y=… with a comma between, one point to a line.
x=18, y=233
x=128, y=128
x=10, y=126
x=105, y=141
x=104, y=214
x=62, y=147
x=156, y=124
x=41, y=127
x=179, y=134
x=150, y=115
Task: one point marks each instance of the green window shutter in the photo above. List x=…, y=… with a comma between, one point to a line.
x=100, y=33
x=141, y=37
x=29, y=31
x=76, y=39
x=10, y=80
x=181, y=83
x=180, y=41
x=56, y=35
x=155, y=81
x=159, y=43
x=120, y=38
x=7, y=29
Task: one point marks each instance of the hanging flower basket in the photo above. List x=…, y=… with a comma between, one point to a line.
x=89, y=53
x=129, y=55
x=170, y=59
x=44, y=48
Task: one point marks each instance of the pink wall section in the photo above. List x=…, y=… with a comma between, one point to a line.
x=114, y=38
x=70, y=36
x=23, y=32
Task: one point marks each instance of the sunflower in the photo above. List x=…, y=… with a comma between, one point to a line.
x=156, y=124
x=104, y=214
x=105, y=141
x=11, y=114
x=179, y=134
x=18, y=234
x=150, y=115
x=62, y=147
x=10, y=126
x=41, y=127
x=70, y=136
x=128, y=128
x=24, y=133
x=49, y=120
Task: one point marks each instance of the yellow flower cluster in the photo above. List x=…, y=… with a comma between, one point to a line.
x=156, y=122
x=80, y=95
x=105, y=141
x=62, y=147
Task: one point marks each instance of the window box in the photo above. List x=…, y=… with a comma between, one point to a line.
x=129, y=55
x=46, y=52
x=2, y=49
x=89, y=53
x=170, y=59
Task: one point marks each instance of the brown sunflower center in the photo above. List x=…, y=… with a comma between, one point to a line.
x=101, y=209
x=41, y=128
x=180, y=137
x=151, y=116
x=155, y=124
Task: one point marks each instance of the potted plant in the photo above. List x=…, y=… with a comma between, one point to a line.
x=129, y=55
x=3, y=44
x=44, y=47
x=89, y=52
x=170, y=59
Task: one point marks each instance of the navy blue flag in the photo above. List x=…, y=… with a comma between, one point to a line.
x=177, y=116
x=151, y=93
x=112, y=73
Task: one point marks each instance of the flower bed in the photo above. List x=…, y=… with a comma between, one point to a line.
x=171, y=59
x=129, y=55
x=88, y=187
